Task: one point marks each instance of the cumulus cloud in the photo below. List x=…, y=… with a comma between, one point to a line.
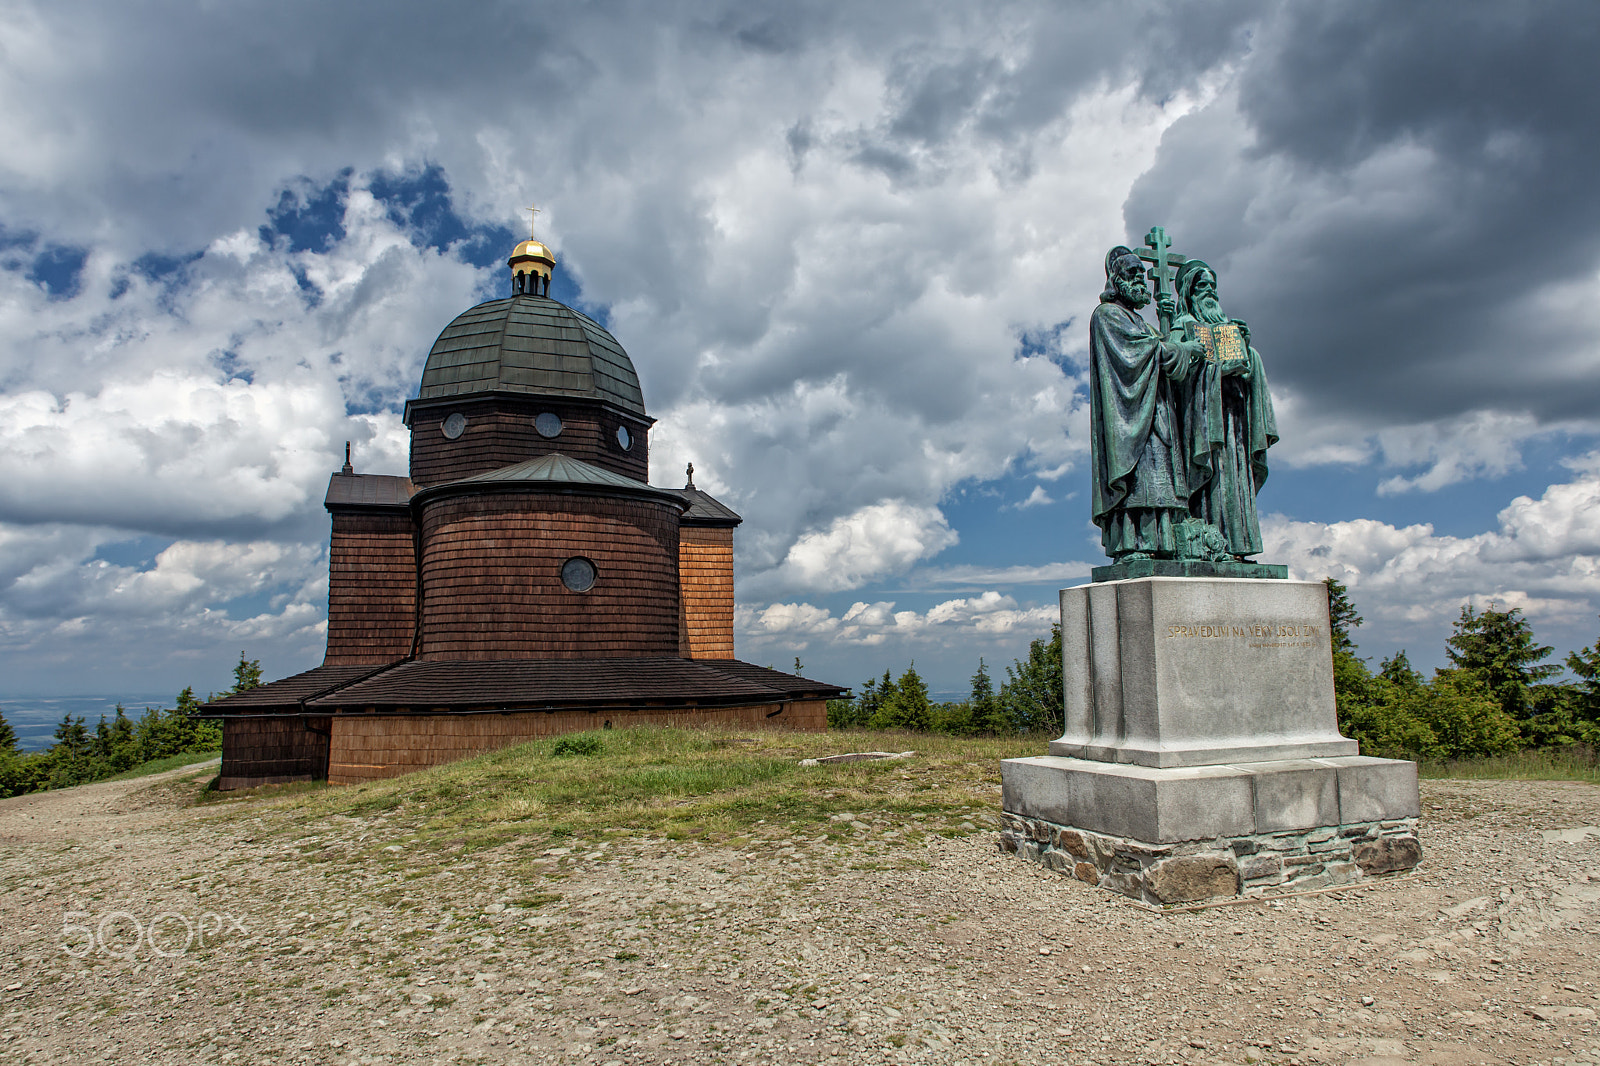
x=1037, y=498
x=803, y=625
x=872, y=541
x=1403, y=235
x=1543, y=557
x=63, y=608
x=852, y=262
x=935, y=578
x=1482, y=444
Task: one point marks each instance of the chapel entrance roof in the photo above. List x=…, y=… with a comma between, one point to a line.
x=534, y=345
x=554, y=471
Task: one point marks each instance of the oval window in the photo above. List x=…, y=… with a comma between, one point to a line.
x=455, y=425
x=624, y=438
x=548, y=424
x=578, y=574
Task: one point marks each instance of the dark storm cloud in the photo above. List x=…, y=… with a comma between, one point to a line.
x=1396, y=194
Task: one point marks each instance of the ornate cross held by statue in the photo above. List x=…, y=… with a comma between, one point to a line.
x=1163, y=262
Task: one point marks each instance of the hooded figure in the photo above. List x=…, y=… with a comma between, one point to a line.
x=1141, y=490
x=1227, y=413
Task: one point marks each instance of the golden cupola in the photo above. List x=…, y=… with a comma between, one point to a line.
x=531, y=264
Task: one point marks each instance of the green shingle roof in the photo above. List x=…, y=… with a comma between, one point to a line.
x=530, y=344
x=560, y=471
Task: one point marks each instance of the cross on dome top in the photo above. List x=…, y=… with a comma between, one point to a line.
x=531, y=262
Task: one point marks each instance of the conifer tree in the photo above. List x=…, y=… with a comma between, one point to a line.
x=906, y=706
x=1585, y=666
x=1498, y=648
x=1032, y=697
x=8, y=738
x=247, y=674
x=1342, y=616
x=987, y=716
x=1397, y=671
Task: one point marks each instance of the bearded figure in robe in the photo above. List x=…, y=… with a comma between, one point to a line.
x=1136, y=374
x=1227, y=413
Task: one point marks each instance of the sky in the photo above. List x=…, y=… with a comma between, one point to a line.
x=851, y=249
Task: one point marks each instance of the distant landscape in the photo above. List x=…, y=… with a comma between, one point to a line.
x=34, y=718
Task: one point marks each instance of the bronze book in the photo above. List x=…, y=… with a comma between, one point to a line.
x=1223, y=342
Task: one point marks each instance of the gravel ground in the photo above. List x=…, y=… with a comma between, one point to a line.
x=246, y=936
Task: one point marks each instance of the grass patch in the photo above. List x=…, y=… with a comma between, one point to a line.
x=158, y=766
x=704, y=784
x=1575, y=762
x=578, y=744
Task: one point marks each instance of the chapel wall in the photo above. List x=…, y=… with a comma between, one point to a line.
x=373, y=747
x=267, y=751
x=372, y=586
x=705, y=574
x=491, y=575
x=500, y=433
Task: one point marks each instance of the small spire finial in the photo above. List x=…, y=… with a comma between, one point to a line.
x=531, y=262
x=689, y=473
x=348, y=469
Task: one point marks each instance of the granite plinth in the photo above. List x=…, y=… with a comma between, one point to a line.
x=1170, y=672
x=1201, y=730
x=1260, y=864
x=1137, y=568
x=1159, y=805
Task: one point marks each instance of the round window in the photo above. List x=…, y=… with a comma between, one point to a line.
x=578, y=574
x=624, y=438
x=548, y=424
x=455, y=425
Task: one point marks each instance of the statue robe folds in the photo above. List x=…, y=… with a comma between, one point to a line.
x=1141, y=489
x=1230, y=425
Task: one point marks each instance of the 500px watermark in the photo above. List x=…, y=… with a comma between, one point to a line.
x=121, y=934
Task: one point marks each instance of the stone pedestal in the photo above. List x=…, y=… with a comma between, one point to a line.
x=1202, y=755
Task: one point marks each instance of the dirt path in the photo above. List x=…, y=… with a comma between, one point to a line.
x=243, y=937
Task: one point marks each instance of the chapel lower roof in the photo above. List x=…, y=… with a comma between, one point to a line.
x=290, y=693
x=424, y=687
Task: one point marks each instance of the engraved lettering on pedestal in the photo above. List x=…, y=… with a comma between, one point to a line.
x=1254, y=635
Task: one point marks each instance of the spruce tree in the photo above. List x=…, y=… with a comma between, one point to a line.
x=247, y=674
x=1497, y=646
x=8, y=738
x=1033, y=698
x=1342, y=616
x=1585, y=666
x=1397, y=671
x=907, y=707
x=987, y=716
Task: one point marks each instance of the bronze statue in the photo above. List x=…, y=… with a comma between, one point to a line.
x=1140, y=465
x=1181, y=420
x=1228, y=415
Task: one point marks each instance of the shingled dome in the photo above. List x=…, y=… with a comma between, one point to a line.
x=530, y=344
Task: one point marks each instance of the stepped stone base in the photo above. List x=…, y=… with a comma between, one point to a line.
x=1201, y=757
x=1168, y=835
x=1257, y=864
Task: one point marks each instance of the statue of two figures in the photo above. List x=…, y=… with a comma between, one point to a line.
x=1182, y=419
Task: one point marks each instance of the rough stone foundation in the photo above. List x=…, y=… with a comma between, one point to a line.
x=1263, y=864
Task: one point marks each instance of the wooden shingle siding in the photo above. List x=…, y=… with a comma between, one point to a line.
x=500, y=433
x=372, y=583
x=491, y=572
x=705, y=575
x=265, y=751
x=367, y=748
